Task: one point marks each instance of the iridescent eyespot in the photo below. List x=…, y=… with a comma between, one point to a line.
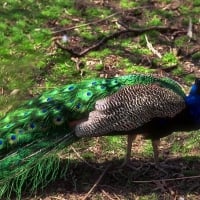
x=19, y=131
x=13, y=137
x=26, y=114
x=8, y=125
x=103, y=87
x=94, y=83
x=58, y=108
x=44, y=110
x=78, y=106
x=32, y=125
x=1, y=143
x=89, y=94
x=71, y=87
x=58, y=120
x=49, y=99
x=114, y=82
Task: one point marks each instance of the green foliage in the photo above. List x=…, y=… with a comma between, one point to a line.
x=184, y=9
x=138, y=69
x=99, y=67
x=100, y=53
x=169, y=59
x=87, y=35
x=128, y=4
x=155, y=21
x=181, y=41
x=92, y=12
x=189, y=79
x=196, y=2
x=114, y=143
x=196, y=56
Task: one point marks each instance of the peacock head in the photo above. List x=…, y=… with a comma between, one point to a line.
x=193, y=101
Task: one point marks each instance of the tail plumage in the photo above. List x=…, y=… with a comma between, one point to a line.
x=31, y=135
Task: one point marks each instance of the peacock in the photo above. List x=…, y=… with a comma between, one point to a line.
x=32, y=135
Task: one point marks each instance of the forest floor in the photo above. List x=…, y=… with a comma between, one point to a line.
x=51, y=43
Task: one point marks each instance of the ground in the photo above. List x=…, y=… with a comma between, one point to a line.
x=51, y=43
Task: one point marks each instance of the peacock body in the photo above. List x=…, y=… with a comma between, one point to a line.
x=31, y=135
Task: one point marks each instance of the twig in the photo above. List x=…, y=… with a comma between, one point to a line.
x=116, y=197
x=106, y=194
x=168, y=179
x=100, y=20
x=2, y=91
x=96, y=183
x=151, y=48
x=86, y=24
x=189, y=32
x=58, y=198
x=134, y=31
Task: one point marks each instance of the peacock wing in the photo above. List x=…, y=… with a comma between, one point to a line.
x=130, y=108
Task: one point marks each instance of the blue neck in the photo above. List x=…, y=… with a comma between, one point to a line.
x=193, y=103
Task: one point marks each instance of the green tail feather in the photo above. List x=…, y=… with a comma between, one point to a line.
x=31, y=135
x=32, y=167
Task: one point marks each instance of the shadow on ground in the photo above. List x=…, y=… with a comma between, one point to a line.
x=181, y=177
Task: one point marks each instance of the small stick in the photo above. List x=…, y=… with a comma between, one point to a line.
x=106, y=194
x=168, y=179
x=134, y=31
x=96, y=183
x=150, y=46
x=100, y=20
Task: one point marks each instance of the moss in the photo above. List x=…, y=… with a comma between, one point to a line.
x=99, y=67
x=147, y=149
x=138, y=69
x=181, y=41
x=97, y=12
x=100, y=53
x=189, y=79
x=128, y=4
x=196, y=56
x=154, y=20
x=169, y=59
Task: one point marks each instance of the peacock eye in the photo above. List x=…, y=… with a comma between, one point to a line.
x=88, y=94
x=58, y=108
x=71, y=87
x=103, y=87
x=78, y=106
x=8, y=125
x=94, y=83
x=32, y=125
x=58, y=120
x=44, y=110
x=1, y=143
x=13, y=137
x=49, y=99
x=19, y=131
x=26, y=114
